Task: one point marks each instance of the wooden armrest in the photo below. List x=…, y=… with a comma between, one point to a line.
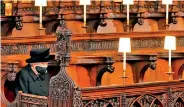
x=29, y=100
x=33, y=96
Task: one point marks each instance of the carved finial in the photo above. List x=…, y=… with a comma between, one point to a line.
x=63, y=44
x=124, y=101
x=77, y=98
x=62, y=91
x=152, y=63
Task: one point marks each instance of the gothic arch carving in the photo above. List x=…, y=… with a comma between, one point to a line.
x=155, y=103
x=146, y=100
x=61, y=90
x=178, y=98
x=136, y=104
x=179, y=102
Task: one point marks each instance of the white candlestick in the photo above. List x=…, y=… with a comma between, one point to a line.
x=167, y=13
x=128, y=14
x=40, y=16
x=169, y=58
x=84, y=15
x=124, y=61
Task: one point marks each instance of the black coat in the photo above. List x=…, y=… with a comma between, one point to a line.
x=28, y=82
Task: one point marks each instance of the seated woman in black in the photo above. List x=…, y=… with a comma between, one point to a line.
x=34, y=78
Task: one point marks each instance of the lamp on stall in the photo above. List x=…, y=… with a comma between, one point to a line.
x=41, y=3
x=84, y=3
x=167, y=2
x=128, y=3
x=124, y=46
x=170, y=44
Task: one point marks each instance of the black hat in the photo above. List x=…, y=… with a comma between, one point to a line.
x=40, y=55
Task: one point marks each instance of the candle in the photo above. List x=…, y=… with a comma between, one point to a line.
x=124, y=61
x=169, y=57
x=128, y=14
x=167, y=13
x=84, y=15
x=40, y=16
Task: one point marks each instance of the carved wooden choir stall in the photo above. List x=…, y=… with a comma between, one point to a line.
x=88, y=69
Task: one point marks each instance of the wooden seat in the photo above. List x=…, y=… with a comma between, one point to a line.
x=29, y=100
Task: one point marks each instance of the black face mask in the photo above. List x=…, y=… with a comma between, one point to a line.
x=41, y=70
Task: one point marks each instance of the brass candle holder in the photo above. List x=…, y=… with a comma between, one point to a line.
x=170, y=73
x=124, y=77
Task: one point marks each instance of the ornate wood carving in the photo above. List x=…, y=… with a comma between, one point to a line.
x=139, y=95
x=96, y=7
x=98, y=103
x=179, y=99
x=144, y=100
x=147, y=101
x=62, y=92
x=170, y=100
x=77, y=99
x=9, y=22
x=106, y=102
x=138, y=11
x=124, y=101
x=175, y=98
x=18, y=24
x=148, y=9
x=78, y=46
x=12, y=68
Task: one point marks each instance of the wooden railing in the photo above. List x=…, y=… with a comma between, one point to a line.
x=157, y=94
